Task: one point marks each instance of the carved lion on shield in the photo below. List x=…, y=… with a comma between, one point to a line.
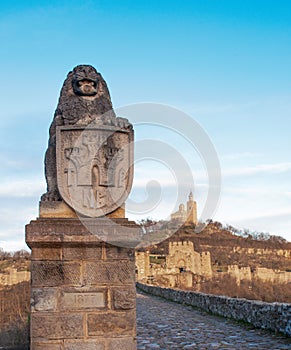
x=84, y=100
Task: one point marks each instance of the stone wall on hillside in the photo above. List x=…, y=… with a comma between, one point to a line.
x=262, y=273
x=12, y=276
x=273, y=276
x=273, y=316
x=261, y=251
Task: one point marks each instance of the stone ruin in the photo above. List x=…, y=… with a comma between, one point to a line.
x=82, y=270
x=178, y=267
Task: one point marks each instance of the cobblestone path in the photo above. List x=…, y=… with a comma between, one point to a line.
x=162, y=324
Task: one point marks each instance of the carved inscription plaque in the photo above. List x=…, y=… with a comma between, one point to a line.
x=94, y=167
x=83, y=300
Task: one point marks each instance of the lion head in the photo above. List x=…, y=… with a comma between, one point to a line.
x=84, y=97
x=85, y=80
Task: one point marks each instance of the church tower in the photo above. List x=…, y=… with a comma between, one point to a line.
x=191, y=210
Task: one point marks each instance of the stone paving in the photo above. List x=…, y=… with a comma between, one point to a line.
x=162, y=324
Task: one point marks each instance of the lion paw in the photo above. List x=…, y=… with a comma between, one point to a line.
x=51, y=196
x=123, y=123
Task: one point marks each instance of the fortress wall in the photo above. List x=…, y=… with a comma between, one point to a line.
x=272, y=316
x=274, y=276
x=260, y=251
x=262, y=273
x=142, y=262
x=206, y=269
x=12, y=276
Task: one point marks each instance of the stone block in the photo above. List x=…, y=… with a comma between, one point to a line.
x=46, y=345
x=43, y=299
x=117, y=253
x=55, y=209
x=122, y=343
x=82, y=300
x=82, y=253
x=124, y=298
x=119, y=272
x=111, y=324
x=55, y=326
x=118, y=213
x=55, y=273
x=46, y=253
x=96, y=344
x=56, y=232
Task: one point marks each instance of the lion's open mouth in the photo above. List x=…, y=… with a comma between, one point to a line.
x=86, y=87
x=87, y=81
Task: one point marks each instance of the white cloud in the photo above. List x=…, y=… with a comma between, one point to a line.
x=14, y=214
x=238, y=155
x=13, y=245
x=256, y=191
x=275, y=168
x=22, y=188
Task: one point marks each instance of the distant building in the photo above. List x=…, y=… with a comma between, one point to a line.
x=177, y=268
x=183, y=256
x=188, y=216
x=180, y=215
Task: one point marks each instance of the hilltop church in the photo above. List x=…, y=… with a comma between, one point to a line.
x=188, y=216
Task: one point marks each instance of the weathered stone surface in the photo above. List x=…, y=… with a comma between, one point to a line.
x=55, y=273
x=87, y=279
x=56, y=209
x=121, y=272
x=82, y=300
x=124, y=298
x=119, y=213
x=46, y=346
x=54, y=326
x=46, y=253
x=111, y=324
x=122, y=344
x=117, y=253
x=57, y=228
x=44, y=299
x=94, y=172
x=82, y=253
x=95, y=344
x=53, y=232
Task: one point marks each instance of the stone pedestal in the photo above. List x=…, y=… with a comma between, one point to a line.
x=82, y=289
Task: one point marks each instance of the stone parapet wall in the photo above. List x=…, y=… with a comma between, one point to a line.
x=272, y=316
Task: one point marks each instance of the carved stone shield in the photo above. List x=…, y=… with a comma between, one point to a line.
x=94, y=167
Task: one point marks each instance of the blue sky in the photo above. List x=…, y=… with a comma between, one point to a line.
x=225, y=63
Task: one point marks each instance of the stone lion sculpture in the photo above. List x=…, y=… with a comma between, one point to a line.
x=84, y=99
